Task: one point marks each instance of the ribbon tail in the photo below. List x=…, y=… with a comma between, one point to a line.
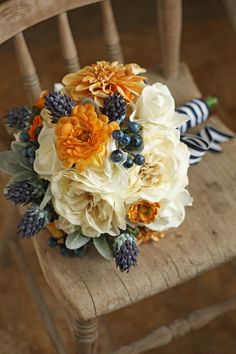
x=208, y=139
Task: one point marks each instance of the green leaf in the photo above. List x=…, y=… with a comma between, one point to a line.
x=102, y=247
x=25, y=175
x=76, y=240
x=18, y=145
x=13, y=162
x=47, y=197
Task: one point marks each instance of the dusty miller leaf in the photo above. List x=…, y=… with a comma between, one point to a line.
x=76, y=240
x=18, y=145
x=102, y=247
x=13, y=162
x=47, y=197
x=22, y=176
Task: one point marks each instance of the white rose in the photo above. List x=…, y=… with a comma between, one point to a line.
x=109, y=178
x=46, y=161
x=171, y=213
x=162, y=178
x=64, y=225
x=83, y=205
x=156, y=106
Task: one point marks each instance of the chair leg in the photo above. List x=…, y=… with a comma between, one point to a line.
x=87, y=335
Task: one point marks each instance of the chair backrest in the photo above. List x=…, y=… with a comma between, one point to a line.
x=18, y=15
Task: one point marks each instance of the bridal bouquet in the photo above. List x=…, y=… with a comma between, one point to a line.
x=99, y=161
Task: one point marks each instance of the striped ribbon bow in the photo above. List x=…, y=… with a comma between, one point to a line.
x=208, y=138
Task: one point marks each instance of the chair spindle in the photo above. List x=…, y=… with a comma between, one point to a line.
x=27, y=68
x=87, y=335
x=68, y=47
x=110, y=32
x=169, y=22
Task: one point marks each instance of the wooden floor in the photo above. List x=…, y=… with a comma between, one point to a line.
x=31, y=321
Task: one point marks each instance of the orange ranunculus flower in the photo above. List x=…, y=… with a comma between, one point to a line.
x=39, y=103
x=143, y=212
x=37, y=122
x=145, y=235
x=97, y=81
x=82, y=138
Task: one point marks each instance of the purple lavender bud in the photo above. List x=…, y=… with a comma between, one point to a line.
x=24, y=192
x=19, y=117
x=59, y=105
x=115, y=107
x=34, y=220
x=125, y=251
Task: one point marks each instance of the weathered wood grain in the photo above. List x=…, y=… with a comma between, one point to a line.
x=169, y=14
x=18, y=15
x=92, y=286
x=178, y=328
x=27, y=68
x=68, y=47
x=111, y=34
x=87, y=335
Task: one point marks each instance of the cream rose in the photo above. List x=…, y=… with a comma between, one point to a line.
x=156, y=106
x=162, y=178
x=107, y=178
x=95, y=211
x=64, y=225
x=46, y=161
x=172, y=212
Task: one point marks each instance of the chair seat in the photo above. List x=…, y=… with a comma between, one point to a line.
x=92, y=286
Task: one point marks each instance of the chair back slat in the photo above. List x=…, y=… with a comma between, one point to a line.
x=170, y=23
x=18, y=15
x=27, y=68
x=111, y=35
x=68, y=47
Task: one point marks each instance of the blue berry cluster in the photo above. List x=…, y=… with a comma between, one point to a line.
x=59, y=105
x=128, y=140
x=115, y=108
x=31, y=146
x=79, y=252
x=24, y=192
x=34, y=220
x=19, y=117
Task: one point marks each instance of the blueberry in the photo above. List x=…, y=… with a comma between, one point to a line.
x=52, y=242
x=139, y=159
x=79, y=252
x=128, y=163
x=116, y=156
x=125, y=140
x=136, y=141
x=31, y=151
x=24, y=137
x=134, y=127
x=64, y=250
x=117, y=134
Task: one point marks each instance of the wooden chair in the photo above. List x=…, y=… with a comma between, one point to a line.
x=91, y=287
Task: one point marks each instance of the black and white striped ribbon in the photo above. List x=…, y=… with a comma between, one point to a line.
x=197, y=147
x=197, y=112
x=208, y=139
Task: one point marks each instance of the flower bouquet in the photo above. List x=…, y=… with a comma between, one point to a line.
x=99, y=161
